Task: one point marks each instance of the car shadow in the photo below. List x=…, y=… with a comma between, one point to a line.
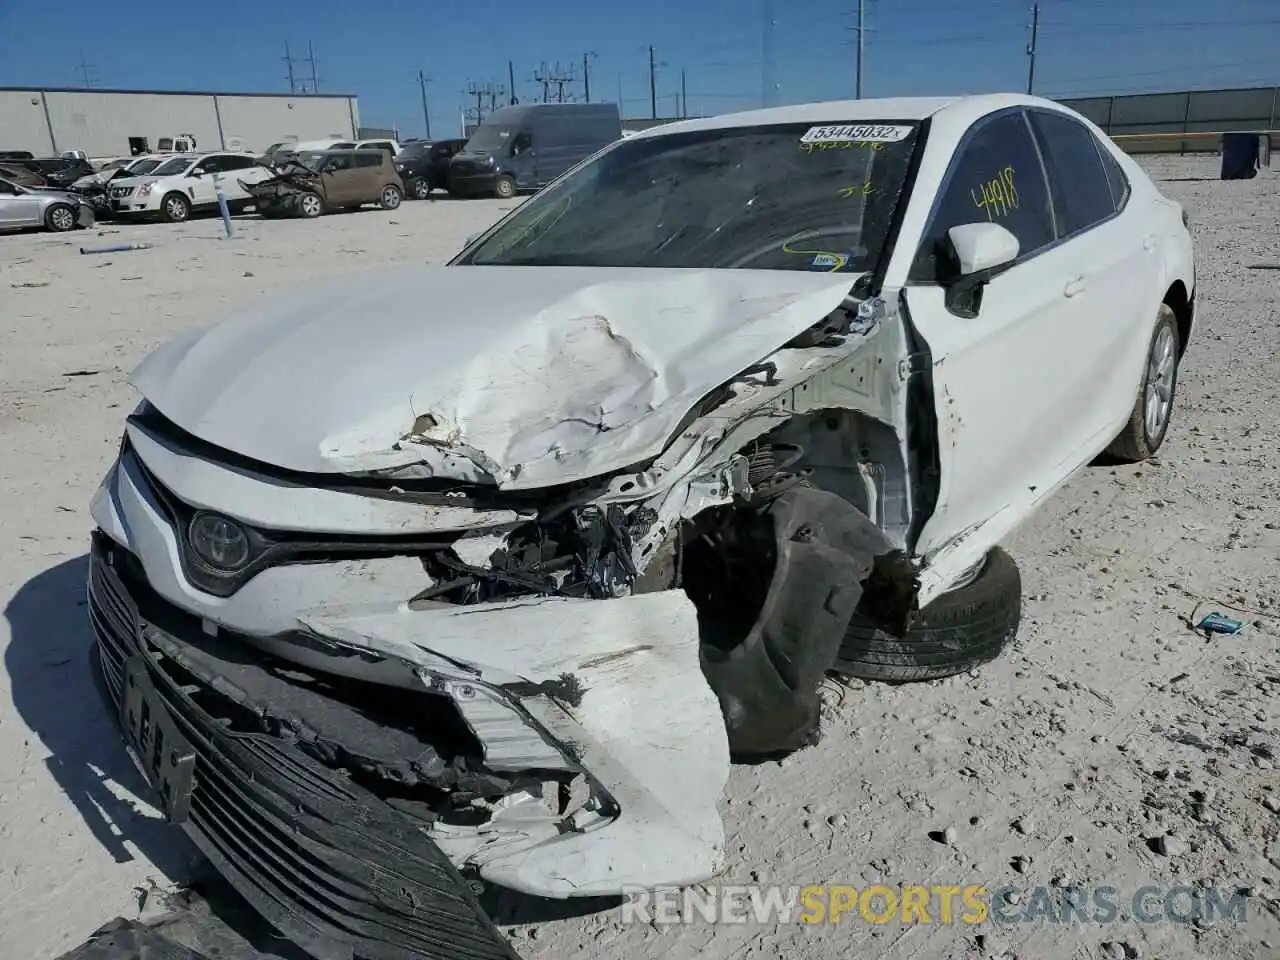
x=507, y=908
x=52, y=685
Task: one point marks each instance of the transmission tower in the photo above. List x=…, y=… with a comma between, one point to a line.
x=558, y=77
x=85, y=69
x=288, y=63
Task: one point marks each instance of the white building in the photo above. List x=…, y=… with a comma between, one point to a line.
x=101, y=122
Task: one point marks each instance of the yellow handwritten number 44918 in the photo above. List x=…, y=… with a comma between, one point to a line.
x=997, y=196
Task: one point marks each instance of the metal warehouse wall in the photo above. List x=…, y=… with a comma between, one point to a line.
x=100, y=122
x=1246, y=109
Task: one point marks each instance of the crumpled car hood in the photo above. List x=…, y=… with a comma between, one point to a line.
x=521, y=376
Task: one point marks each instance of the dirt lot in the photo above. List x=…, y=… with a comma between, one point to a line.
x=1114, y=746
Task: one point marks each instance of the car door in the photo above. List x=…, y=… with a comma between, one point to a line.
x=340, y=180
x=524, y=159
x=1113, y=255
x=17, y=208
x=1005, y=381
x=200, y=185
x=233, y=169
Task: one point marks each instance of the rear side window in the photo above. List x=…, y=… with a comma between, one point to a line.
x=1118, y=182
x=1077, y=181
x=995, y=177
x=368, y=160
x=237, y=163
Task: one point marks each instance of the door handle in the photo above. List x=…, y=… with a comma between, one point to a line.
x=1074, y=286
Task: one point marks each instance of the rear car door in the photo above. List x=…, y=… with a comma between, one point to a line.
x=1113, y=254
x=233, y=169
x=1005, y=382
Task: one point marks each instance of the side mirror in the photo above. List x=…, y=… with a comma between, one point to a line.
x=196, y=173
x=470, y=240
x=978, y=253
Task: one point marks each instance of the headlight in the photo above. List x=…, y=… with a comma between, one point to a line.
x=219, y=541
x=144, y=189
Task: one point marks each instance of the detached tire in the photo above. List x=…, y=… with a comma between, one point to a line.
x=958, y=631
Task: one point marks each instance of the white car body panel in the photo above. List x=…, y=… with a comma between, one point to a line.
x=563, y=374
x=524, y=378
x=145, y=194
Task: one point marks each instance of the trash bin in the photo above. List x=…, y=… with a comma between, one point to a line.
x=1239, y=156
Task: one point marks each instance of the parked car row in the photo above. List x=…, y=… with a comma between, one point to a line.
x=517, y=148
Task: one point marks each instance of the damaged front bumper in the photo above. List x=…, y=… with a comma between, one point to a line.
x=325, y=861
x=532, y=743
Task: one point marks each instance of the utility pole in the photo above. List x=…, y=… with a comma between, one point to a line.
x=311, y=59
x=84, y=69
x=862, y=29
x=653, y=84
x=543, y=77
x=423, y=80
x=619, y=94
x=766, y=55
x=684, y=96
x=1031, y=47
x=511, y=81
x=586, y=76
x=288, y=60
x=494, y=93
x=477, y=91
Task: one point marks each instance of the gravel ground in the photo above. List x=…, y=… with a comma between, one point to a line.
x=1112, y=746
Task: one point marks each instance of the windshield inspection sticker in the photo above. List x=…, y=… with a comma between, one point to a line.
x=856, y=133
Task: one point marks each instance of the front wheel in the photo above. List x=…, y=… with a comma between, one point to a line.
x=390, y=198
x=175, y=208
x=505, y=188
x=1148, y=422
x=421, y=188
x=960, y=630
x=60, y=218
x=310, y=205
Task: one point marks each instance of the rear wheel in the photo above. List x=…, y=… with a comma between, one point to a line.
x=1148, y=422
x=390, y=197
x=505, y=188
x=60, y=218
x=962, y=629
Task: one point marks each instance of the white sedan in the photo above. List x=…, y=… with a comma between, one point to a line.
x=494, y=566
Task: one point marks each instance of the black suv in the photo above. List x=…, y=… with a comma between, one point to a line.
x=423, y=165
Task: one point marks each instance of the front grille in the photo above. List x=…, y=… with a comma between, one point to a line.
x=329, y=864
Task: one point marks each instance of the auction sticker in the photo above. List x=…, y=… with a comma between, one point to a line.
x=856, y=133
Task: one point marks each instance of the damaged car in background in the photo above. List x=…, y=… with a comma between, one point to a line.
x=310, y=183
x=484, y=573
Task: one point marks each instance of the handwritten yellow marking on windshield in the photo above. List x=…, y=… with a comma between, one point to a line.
x=856, y=190
x=841, y=145
x=997, y=196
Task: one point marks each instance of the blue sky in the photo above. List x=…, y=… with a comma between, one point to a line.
x=912, y=47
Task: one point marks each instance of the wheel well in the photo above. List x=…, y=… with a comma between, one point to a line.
x=1176, y=299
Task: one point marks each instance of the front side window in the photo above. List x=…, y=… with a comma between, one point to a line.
x=996, y=177
x=7, y=188
x=780, y=197
x=236, y=163
x=1077, y=181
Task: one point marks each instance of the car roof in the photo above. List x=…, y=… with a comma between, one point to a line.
x=855, y=111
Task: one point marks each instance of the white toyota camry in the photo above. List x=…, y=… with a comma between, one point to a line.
x=484, y=572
